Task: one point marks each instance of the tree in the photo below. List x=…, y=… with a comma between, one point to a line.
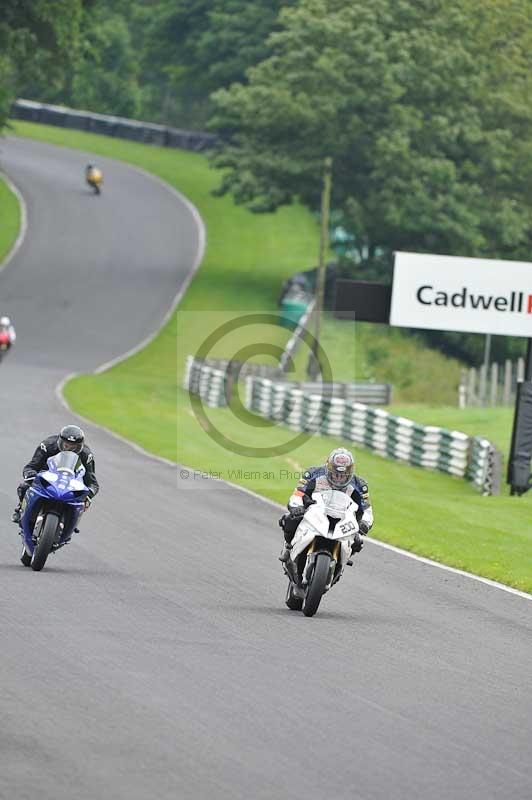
x=400, y=94
x=192, y=47
x=37, y=38
x=105, y=76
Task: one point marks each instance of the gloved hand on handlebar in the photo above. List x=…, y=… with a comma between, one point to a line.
x=296, y=512
x=23, y=487
x=363, y=527
x=89, y=499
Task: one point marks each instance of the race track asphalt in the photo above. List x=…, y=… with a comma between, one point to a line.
x=154, y=657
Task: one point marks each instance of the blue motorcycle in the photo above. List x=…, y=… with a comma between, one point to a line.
x=51, y=508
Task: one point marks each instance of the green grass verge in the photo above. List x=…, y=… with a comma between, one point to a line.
x=427, y=513
x=9, y=219
x=247, y=257
x=367, y=352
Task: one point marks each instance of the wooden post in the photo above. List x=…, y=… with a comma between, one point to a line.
x=494, y=384
x=314, y=367
x=462, y=390
x=507, y=391
x=482, y=387
x=471, y=387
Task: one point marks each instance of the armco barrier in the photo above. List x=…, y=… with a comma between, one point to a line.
x=120, y=127
x=372, y=394
x=454, y=453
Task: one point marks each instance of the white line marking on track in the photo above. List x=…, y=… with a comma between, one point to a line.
x=202, y=241
x=199, y=256
x=23, y=221
x=62, y=400
x=393, y=548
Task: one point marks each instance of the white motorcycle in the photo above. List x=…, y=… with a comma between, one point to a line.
x=321, y=548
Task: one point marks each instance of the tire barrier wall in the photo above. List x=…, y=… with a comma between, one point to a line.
x=451, y=452
x=119, y=127
x=206, y=381
x=213, y=381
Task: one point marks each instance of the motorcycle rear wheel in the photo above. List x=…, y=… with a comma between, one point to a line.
x=317, y=584
x=45, y=543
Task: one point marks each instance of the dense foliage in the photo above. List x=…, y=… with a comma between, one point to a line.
x=38, y=44
x=424, y=106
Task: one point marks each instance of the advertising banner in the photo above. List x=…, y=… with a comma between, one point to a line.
x=450, y=293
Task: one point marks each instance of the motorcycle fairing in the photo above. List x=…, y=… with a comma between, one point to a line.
x=59, y=489
x=316, y=523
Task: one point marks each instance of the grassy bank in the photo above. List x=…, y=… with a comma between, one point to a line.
x=247, y=258
x=367, y=352
x=431, y=514
x=9, y=219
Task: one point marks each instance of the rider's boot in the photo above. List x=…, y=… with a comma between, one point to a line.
x=356, y=547
x=285, y=553
x=15, y=516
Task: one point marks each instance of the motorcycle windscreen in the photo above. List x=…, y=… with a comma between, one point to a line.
x=65, y=462
x=336, y=503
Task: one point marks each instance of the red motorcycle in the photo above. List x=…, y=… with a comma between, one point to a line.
x=5, y=343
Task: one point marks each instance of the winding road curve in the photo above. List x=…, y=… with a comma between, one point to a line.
x=154, y=658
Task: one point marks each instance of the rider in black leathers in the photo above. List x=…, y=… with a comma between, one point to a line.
x=72, y=438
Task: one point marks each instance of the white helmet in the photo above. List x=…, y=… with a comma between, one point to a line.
x=340, y=465
x=5, y=322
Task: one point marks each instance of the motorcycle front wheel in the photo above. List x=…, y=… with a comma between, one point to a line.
x=45, y=543
x=317, y=584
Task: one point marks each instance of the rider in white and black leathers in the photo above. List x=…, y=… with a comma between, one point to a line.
x=70, y=438
x=337, y=473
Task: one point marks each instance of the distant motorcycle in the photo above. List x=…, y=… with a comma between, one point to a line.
x=51, y=508
x=320, y=550
x=5, y=343
x=94, y=178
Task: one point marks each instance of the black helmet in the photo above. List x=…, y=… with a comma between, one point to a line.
x=340, y=466
x=71, y=438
